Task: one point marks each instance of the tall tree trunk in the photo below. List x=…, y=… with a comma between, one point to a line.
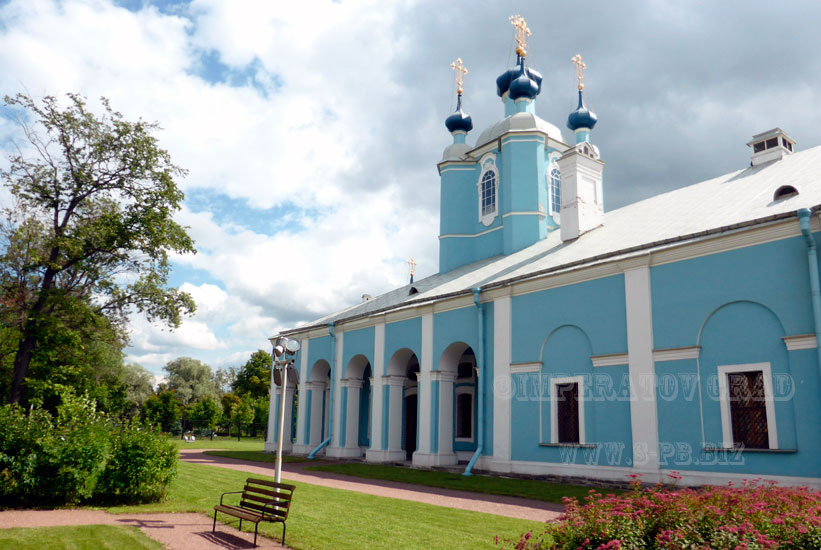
x=28, y=339
x=21, y=364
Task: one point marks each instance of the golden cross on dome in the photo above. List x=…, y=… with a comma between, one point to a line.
x=580, y=66
x=412, y=265
x=460, y=71
x=522, y=32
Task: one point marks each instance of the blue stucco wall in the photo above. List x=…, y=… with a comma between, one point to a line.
x=562, y=328
x=357, y=342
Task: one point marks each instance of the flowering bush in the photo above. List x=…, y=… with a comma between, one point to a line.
x=756, y=516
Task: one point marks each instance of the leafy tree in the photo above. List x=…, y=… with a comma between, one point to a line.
x=254, y=377
x=224, y=380
x=191, y=380
x=229, y=401
x=92, y=219
x=163, y=409
x=139, y=386
x=207, y=413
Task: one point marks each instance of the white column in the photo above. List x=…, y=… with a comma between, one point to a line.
x=424, y=392
x=301, y=445
x=317, y=390
x=396, y=385
x=502, y=382
x=287, y=443
x=375, y=453
x=354, y=388
x=445, y=455
x=643, y=411
x=271, y=439
x=337, y=388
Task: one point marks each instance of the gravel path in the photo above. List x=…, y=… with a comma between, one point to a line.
x=174, y=531
x=513, y=507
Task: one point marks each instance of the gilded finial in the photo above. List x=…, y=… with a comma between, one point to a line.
x=460, y=71
x=580, y=66
x=412, y=265
x=522, y=32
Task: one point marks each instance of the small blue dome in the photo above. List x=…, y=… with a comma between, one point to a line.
x=459, y=121
x=582, y=117
x=524, y=85
x=506, y=78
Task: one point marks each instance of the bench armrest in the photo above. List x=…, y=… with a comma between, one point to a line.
x=230, y=493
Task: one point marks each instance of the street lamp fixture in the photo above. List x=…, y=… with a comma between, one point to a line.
x=283, y=352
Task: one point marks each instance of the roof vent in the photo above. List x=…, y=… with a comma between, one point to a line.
x=413, y=290
x=784, y=192
x=772, y=145
x=366, y=298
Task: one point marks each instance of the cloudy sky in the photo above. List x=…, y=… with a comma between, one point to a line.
x=311, y=129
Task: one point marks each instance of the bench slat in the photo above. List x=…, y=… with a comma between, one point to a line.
x=270, y=483
x=281, y=500
x=261, y=508
x=282, y=495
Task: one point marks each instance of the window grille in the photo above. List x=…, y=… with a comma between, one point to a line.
x=555, y=191
x=748, y=411
x=567, y=410
x=488, y=193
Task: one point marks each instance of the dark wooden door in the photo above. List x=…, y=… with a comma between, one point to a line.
x=410, y=425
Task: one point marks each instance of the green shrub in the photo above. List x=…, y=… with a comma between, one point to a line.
x=79, y=455
x=140, y=467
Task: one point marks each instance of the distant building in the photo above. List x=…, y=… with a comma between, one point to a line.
x=679, y=333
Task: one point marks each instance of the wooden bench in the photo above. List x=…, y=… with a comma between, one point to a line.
x=261, y=500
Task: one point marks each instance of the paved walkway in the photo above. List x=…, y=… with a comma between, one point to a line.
x=174, y=531
x=193, y=531
x=513, y=507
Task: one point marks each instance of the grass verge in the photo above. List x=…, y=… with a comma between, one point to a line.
x=228, y=443
x=324, y=518
x=491, y=485
x=102, y=537
x=256, y=456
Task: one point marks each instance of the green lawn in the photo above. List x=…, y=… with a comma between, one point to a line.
x=492, y=485
x=229, y=443
x=256, y=456
x=78, y=537
x=323, y=518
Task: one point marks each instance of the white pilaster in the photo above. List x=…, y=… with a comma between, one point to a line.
x=301, y=445
x=354, y=389
x=317, y=390
x=643, y=411
x=337, y=389
x=444, y=455
x=396, y=386
x=502, y=331
x=424, y=389
x=374, y=453
x=271, y=438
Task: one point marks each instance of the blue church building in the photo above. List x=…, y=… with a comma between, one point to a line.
x=679, y=333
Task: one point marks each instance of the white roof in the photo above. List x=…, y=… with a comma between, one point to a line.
x=740, y=197
x=519, y=122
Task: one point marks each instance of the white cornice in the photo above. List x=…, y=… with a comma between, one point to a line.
x=609, y=360
x=564, y=278
x=524, y=368
x=525, y=213
x=676, y=354
x=800, y=341
x=723, y=243
x=485, y=232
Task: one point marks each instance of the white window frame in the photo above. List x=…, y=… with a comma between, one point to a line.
x=488, y=164
x=459, y=390
x=557, y=213
x=724, y=400
x=554, y=408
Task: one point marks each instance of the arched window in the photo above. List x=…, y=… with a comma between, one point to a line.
x=488, y=194
x=555, y=191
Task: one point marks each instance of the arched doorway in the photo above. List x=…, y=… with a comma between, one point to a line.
x=400, y=433
x=317, y=399
x=456, y=378
x=411, y=406
x=356, y=388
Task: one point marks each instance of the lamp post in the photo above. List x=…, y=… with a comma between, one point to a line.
x=284, y=350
